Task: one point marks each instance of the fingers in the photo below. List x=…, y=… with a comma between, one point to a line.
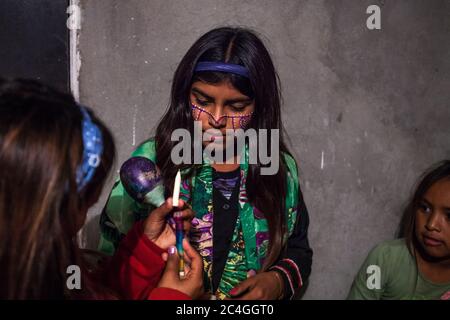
x=186, y=215
x=196, y=261
x=157, y=223
x=181, y=203
x=172, y=264
x=194, y=277
x=249, y=295
x=192, y=255
x=187, y=269
x=187, y=225
x=187, y=263
x=162, y=211
x=171, y=223
x=242, y=287
x=167, y=207
x=187, y=259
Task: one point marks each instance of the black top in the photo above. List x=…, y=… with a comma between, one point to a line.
x=226, y=211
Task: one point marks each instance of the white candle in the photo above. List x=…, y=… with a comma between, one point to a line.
x=176, y=189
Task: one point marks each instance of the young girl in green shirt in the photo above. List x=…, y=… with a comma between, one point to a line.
x=250, y=228
x=417, y=266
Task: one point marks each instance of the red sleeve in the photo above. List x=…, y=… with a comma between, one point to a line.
x=168, y=294
x=137, y=267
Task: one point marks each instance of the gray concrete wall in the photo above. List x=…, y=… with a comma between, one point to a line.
x=375, y=103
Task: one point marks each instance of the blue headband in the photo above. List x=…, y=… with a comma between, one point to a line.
x=92, y=150
x=222, y=67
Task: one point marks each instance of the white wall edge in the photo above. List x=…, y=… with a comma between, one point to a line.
x=74, y=52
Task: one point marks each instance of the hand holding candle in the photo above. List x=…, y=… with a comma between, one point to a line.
x=143, y=182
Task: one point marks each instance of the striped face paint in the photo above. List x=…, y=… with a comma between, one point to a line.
x=238, y=121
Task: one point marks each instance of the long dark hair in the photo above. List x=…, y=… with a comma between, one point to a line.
x=243, y=47
x=40, y=150
x=436, y=173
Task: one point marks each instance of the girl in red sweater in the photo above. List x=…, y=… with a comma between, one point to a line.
x=55, y=156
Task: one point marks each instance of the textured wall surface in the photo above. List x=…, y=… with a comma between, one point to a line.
x=366, y=110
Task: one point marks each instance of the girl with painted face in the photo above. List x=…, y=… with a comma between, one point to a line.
x=55, y=156
x=249, y=227
x=416, y=266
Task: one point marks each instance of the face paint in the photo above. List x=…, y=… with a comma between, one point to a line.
x=242, y=120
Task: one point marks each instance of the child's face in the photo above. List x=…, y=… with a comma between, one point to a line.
x=220, y=106
x=433, y=220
